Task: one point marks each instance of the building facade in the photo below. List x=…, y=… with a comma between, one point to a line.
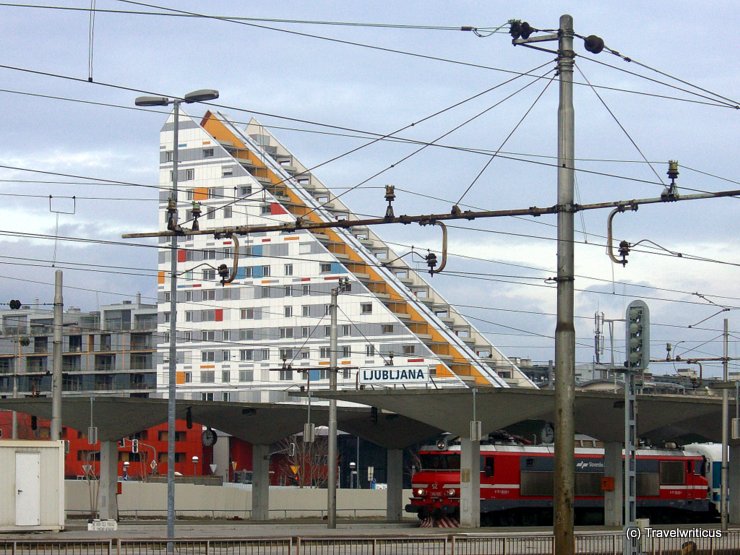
x=267, y=333
x=107, y=352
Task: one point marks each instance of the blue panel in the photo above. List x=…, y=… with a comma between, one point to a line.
x=337, y=268
x=314, y=375
x=241, y=273
x=257, y=250
x=258, y=271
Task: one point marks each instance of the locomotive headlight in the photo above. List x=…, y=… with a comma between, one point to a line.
x=420, y=492
x=450, y=492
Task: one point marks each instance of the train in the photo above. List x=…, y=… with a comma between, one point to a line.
x=516, y=484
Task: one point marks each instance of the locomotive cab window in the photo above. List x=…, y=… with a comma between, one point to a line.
x=440, y=462
x=672, y=473
x=486, y=465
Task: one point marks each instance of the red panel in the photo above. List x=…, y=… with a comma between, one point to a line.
x=277, y=208
x=219, y=313
x=181, y=255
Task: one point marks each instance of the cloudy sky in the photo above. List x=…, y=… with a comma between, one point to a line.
x=70, y=129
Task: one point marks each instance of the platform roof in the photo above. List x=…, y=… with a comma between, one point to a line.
x=257, y=423
x=403, y=418
x=597, y=414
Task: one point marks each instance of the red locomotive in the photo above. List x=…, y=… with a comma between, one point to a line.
x=516, y=485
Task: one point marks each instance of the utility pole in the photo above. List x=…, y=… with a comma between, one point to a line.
x=56, y=374
x=725, y=432
x=331, y=458
x=565, y=336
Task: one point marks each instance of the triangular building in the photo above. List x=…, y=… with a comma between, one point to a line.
x=267, y=333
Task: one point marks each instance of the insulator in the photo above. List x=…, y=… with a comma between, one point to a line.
x=593, y=44
x=624, y=250
x=431, y=259
x=223, y=271
x=672, y=169
x=390, y=193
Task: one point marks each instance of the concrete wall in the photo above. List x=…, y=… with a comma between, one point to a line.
x=229, y=501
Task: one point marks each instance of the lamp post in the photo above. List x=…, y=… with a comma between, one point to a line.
x=352, y=474
x=125, y=470
x=195, y=96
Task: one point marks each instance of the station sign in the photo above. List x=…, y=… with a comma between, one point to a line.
x=394, y=374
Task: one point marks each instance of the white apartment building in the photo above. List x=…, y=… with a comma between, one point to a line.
x=267, y=333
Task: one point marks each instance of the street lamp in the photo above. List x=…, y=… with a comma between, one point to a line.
x=352, y=474
x=195, y=96
x=125, y=469
x=195, y=465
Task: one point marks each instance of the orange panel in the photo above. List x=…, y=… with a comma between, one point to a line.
x=200, y=193
x=160, y=277
x=180, y=378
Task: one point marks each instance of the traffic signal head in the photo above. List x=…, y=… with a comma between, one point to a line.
x=638, y=336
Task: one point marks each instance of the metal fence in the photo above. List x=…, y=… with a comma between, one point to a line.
x=523, y=543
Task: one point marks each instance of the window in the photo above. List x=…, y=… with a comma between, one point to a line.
x=209, y=275
x=286, y=333
x=387, y=328
x=346, y=330
x=265, y=292
x=346, y=351
x=207, y=376
x=208, y=356
x=189, y=315
x=209, y=294
x=227, y=211
x=408, y=349
x=207, y=153
x=288, y=269
x=246, y=354
x=247, y=314
x=265, y=271
x=288, y=311
x=286, y=374
x=366, y=308
x=286, y=354
x=306, y=289
x=324, y=352
x=209, y=254
x=327, y=331
x=189, y=174
x=245, y=190
x=327, y=310
x=370, y=350
x=225, y=376
x=226, y=356
x=227, y=171
x=208, y=335
x=304, y=332
x=305, y=310
x=205, y=397
x=246, y=375
x=188, y=377
x=264, y=209
x=75, y=343
x=227, y=335
x=246, y=335
x=325, y=267
x=168, y=156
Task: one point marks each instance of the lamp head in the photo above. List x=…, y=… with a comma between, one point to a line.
x=152, y=101
x=201, y=95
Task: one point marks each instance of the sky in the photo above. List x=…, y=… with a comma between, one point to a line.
x=70, y=129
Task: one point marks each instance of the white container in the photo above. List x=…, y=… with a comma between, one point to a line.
x=31, y=485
